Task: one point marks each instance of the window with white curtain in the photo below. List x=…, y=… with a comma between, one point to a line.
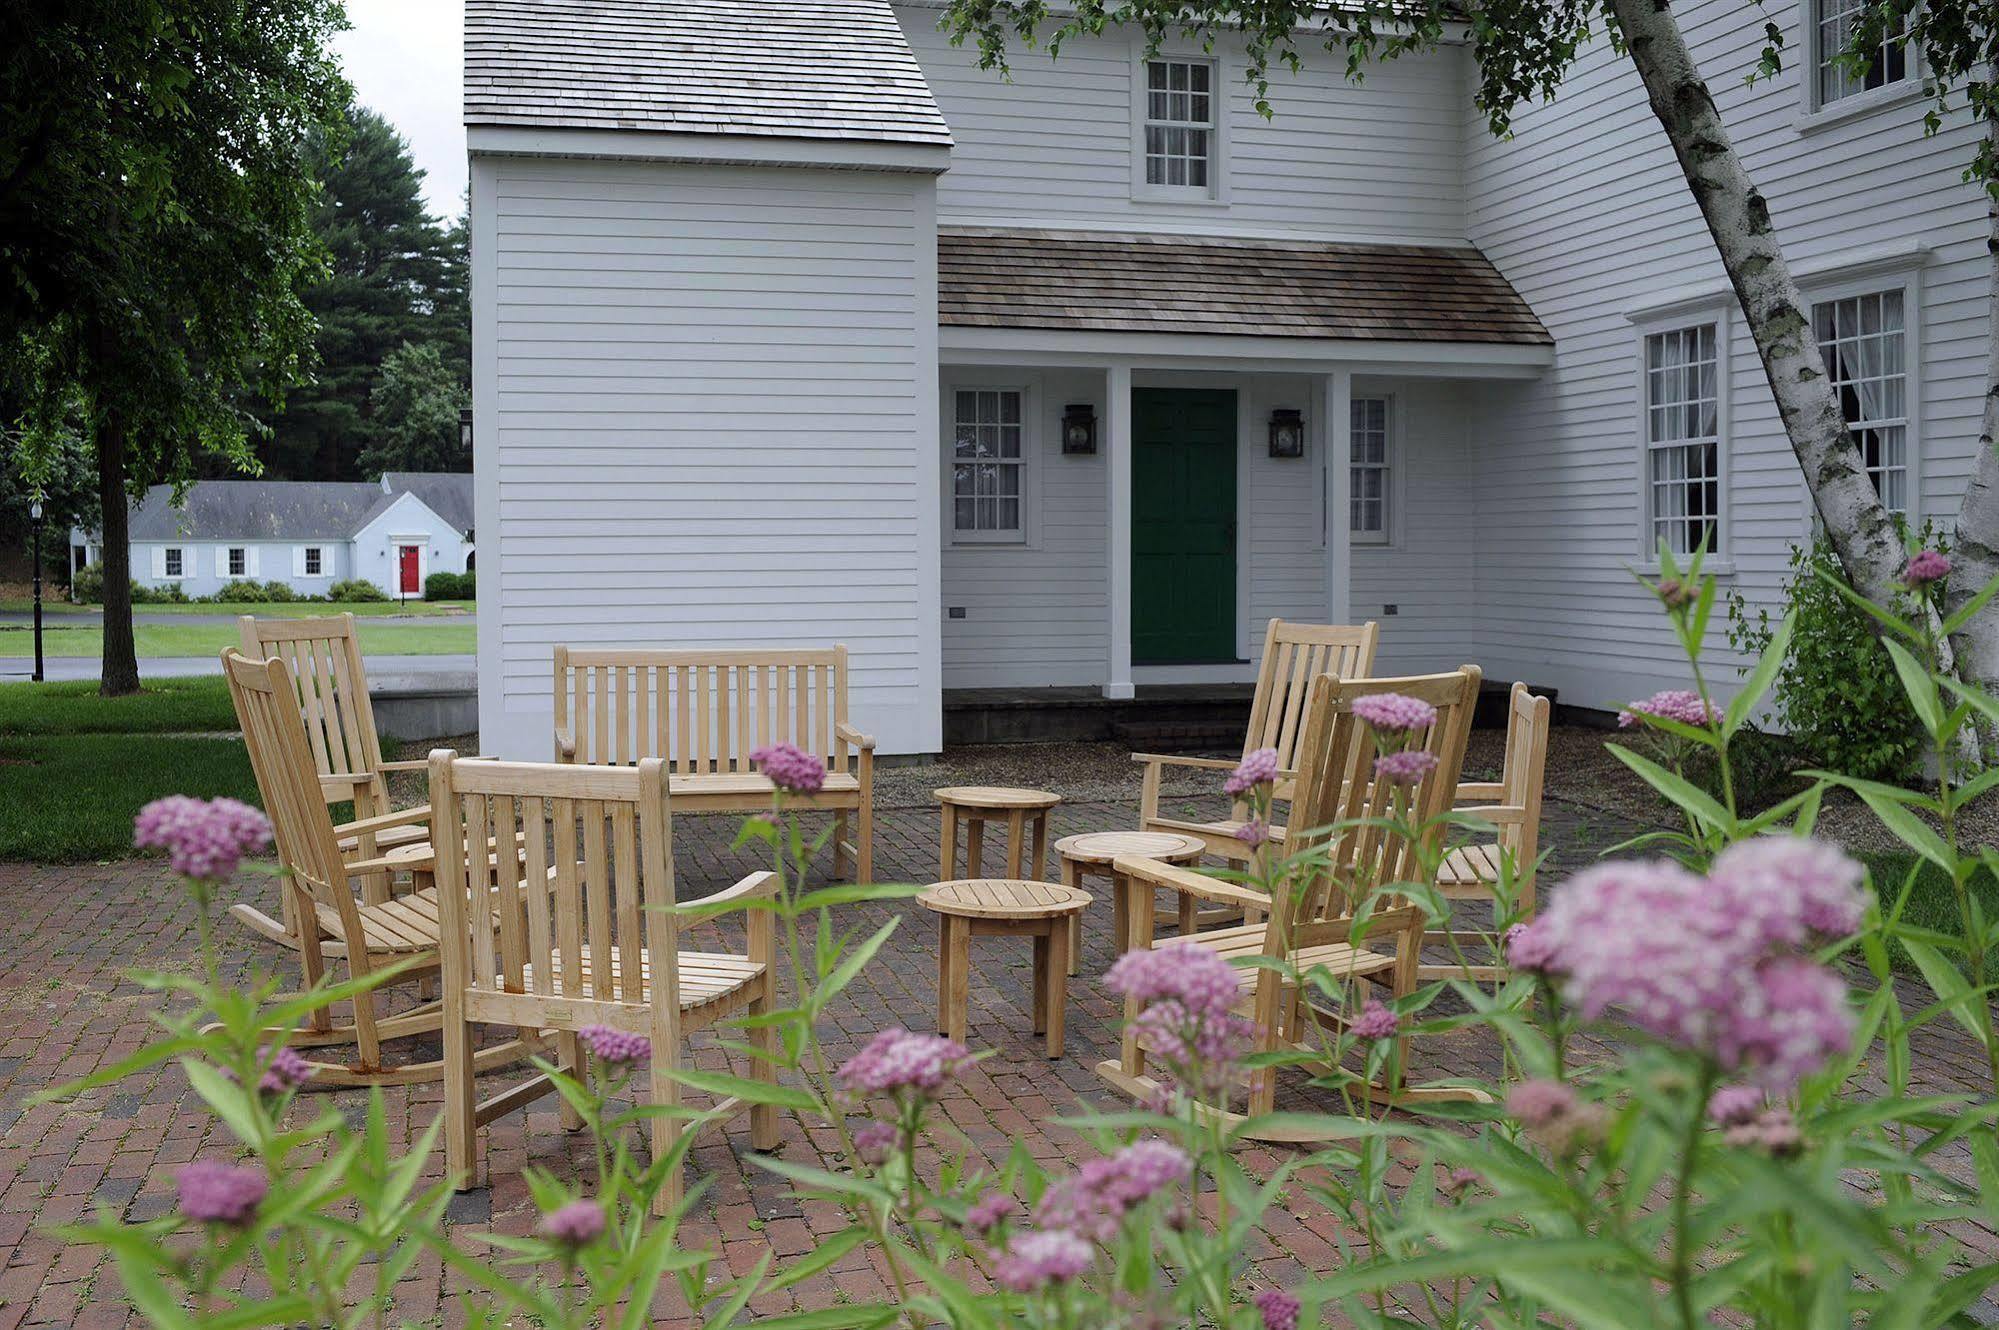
x=988, y=464
x=1179, y=130
x=1367, y=492
x=1833, y=23
x=1863, y=339
x=1683, y=440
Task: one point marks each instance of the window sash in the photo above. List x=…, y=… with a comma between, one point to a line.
x=1368, y=471
x=1833, y=26
x=1683, y=495
x=988, y=463
x=313, y=562
x=239, y=561
x=176, y=563
x=1179, y=127
x=1865, y=342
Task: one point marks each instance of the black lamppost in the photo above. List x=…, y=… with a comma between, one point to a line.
x=35, y=522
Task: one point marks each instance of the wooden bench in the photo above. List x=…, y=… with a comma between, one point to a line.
x=704, y=712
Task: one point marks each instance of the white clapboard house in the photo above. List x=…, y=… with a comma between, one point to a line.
x=793, y=326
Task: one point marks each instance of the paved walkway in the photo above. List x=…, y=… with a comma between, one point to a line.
x=67, y=1008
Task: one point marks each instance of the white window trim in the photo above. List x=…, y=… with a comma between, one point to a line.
x=1816, y=113
x=1720, y=562
x=305, y=553
x=165, y=573
x=1391, y=493
x=1909, y=281
x=1031, y=435
x=222, y=570
x=1217, y=192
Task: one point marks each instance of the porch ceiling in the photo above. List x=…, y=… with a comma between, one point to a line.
x=1100, y=282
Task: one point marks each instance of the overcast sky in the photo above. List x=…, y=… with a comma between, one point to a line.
x=406, y=59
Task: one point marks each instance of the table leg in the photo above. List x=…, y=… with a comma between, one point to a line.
x=959, y=947
x=944, y=974
x=975, y=842
x=1072, y=876
x=1040, y=843
x=1041, y=950
x=1190, y=913
x=947, y=841
x=1120, y=912
x=1058, y=985
x=1131, y=1054
x=1015, y=821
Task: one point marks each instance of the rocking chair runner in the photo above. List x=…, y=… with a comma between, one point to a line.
x=597, y=944
x=1294, y=654
x=320, y=881
x=1338, y=800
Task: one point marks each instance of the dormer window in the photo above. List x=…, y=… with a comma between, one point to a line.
x=1179, y=130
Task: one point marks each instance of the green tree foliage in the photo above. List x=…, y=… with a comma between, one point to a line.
x=398, y=278
x=61, y=471
x=415, y=405
x=156, y=235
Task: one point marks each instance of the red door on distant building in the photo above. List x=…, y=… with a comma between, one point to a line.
x=410, y=582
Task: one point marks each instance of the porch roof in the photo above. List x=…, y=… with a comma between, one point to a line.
x=1105, y=282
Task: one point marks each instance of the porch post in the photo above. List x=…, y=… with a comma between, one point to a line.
x=1338, y=434
x=1117, y=462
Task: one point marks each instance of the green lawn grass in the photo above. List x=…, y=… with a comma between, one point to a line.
x=167, y=706
x=69, y=798
x=277, y=609
x=1932, y=904
x=208, y=639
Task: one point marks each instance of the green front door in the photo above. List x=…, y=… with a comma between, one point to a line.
x=1183, y=506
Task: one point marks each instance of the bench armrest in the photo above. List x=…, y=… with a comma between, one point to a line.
x=848, y=734
x=421, y=813
x=407, y=863
x=344, y=786
x=413, y=764
x=565, y=745
x=1481, y=791
x=1152, y=872
x=1499, y=815
x=1201, y=763
x=754, y=887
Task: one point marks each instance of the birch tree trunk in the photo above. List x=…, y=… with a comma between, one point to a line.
x=1739, y=219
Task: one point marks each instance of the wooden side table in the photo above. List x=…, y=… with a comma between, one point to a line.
x=976, y=805
x=1003, y=907
x=1095, y=851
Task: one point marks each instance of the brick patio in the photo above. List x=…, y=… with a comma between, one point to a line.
x=66, y=1009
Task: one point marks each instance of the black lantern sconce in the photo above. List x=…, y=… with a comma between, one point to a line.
x=1079, y=430
x=1287, y=433
x=465, y=429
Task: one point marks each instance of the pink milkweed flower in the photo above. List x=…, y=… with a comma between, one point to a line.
x=287, y=1071
x=790, y=768
x=895, y=1061
x=1406, y=768
x=874, y=1142
x=1253, y=833
x=1680, y=704
x=1256, y=768
x=1733, y=1104
x=1094, y=1200
x=1375, y=1022
x=1278, y=1308
x=1395, y=712
x=1791, y=890
x=1538, y=1103
x=619, y=1048
x=205, y=839
x=577, y=1224
x=212, y=1192
x=989, y=1212
x=1035, y=1260
x=1529, y=949
x=1925, y=567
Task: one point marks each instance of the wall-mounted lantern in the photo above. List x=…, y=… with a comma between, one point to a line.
x=465, y=429
x=1287, y=433
x=1079, y=430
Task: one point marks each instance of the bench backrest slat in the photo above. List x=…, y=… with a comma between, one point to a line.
x=702, y=712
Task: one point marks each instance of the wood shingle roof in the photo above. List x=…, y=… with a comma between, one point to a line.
x=1008, y=278
x=833, y=69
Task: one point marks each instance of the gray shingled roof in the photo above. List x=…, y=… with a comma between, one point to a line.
x=832, y=69
x=1001, y=278
x=292, y=509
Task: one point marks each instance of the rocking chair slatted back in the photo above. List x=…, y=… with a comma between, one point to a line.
x=1343, y=812
x=595, y=882
x=702, y=712
x=274, y=731
x=1294, y=654
x=323, y=656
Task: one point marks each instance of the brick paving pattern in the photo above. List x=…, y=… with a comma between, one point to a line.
x=67, y=1008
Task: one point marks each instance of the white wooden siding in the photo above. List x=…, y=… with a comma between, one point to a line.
x=706, y=389
x=1586, y=213
x=1380, y=161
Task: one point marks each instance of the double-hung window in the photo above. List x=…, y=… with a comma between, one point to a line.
x=1179, y=131
x=314, y=561
x=1833, y=25
x=1864, y=341
x=239, y=561
x=175, y=563
x=1367, y=492
x=1683, y=439
x=988, y=464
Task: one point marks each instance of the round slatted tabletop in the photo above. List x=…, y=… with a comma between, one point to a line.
x=995, y=796
x=1002, y=898
x=1101, y=847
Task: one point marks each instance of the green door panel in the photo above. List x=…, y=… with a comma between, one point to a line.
x=1183, y=526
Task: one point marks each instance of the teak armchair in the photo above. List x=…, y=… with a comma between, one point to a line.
x=1294, y=654
x=597, y=943
x=1512, y=805
x=320, y=880
x=1338, y=807
x=704, y=712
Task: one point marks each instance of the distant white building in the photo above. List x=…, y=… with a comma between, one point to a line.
x=791, y=325
x=306, y=534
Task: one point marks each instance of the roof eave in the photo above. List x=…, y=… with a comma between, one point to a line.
x=709, y=149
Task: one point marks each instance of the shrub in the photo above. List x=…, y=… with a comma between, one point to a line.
x=1837, y=695
x=158, y=595
x=355, y=590
x=86, y=585
x=448, y=586
x=249, y=591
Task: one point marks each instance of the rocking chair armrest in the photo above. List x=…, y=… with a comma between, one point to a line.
x=754, y=887
x=1481, y=791
x=1153, y=873
x=565, y=745
x=343, y=787
x=407, y=816
x=860, y=739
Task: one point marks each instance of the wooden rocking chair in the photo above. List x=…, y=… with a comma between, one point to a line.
x=1512, y=804
x=598, y=944
x=1294, y=654
x=320, y=880
x=1335, y=803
